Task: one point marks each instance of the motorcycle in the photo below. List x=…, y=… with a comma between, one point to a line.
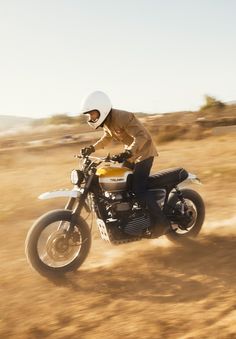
x=59, y=241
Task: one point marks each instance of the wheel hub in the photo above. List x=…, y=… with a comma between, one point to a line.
x=186, y=220
x=59, y=246
x=190, y=216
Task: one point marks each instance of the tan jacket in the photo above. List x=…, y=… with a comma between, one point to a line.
x=126, y=128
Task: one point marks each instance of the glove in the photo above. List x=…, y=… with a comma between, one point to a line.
x=87, y=150
x=122, y=157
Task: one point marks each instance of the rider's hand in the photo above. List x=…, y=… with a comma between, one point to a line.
x=122, y=157
x=87, y=150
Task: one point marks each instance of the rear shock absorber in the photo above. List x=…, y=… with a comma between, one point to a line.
x=184, y=206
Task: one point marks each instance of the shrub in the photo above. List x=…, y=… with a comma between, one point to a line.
x=211, y=102
x=170, y=133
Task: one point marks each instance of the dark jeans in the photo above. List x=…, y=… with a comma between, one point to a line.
x=145, y=197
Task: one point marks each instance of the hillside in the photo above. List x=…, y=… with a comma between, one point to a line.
x=134, y=290
x=147, y=289
x=26, y=132
x=9, y=122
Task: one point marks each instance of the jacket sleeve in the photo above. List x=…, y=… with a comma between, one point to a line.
x=133, y=127
x=103, y=141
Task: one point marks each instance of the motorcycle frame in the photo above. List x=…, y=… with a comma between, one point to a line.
x=87, y=189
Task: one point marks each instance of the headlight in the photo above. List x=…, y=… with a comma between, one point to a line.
x=76, y=177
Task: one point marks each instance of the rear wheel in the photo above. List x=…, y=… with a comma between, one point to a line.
x=186, y=218
x=53, y=248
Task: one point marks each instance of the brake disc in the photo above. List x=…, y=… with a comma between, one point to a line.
x=59, y=247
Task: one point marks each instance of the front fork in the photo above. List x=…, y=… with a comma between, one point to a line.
x=76, y=205
x=70, y=204
x=81, y=203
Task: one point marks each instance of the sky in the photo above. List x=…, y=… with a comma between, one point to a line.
x=151, y=56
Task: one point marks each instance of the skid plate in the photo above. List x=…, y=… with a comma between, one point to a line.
x=103, y=230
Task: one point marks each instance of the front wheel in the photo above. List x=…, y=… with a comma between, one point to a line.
x=187, y=218
x=52, y=247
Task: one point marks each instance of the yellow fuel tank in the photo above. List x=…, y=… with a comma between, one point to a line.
x=112, y=178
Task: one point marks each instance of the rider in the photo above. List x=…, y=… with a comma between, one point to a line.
x=139, y=148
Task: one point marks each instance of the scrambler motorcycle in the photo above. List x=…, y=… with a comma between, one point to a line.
x=60, y=240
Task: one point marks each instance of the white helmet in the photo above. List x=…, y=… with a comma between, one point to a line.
x=96, y=101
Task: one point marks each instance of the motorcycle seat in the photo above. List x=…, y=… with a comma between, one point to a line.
x=167, y=177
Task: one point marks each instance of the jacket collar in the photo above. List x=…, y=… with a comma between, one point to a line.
x=108, y=119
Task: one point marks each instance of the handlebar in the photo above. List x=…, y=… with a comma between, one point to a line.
x=108, y=158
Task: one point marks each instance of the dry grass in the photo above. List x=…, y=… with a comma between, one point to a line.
x=149, y=289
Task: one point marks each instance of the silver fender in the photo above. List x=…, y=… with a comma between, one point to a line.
x=191, y=179
x=60, y=193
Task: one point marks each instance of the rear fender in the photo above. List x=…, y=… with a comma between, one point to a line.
x=191, y=179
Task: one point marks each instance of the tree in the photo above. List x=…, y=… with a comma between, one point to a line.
x=211, y=102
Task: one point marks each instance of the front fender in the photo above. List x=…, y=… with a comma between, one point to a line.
x=74, y=193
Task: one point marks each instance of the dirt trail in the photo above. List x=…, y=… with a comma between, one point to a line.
x=148, y=289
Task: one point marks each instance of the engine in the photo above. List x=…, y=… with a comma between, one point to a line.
x=125, y=213
x=119, y=203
